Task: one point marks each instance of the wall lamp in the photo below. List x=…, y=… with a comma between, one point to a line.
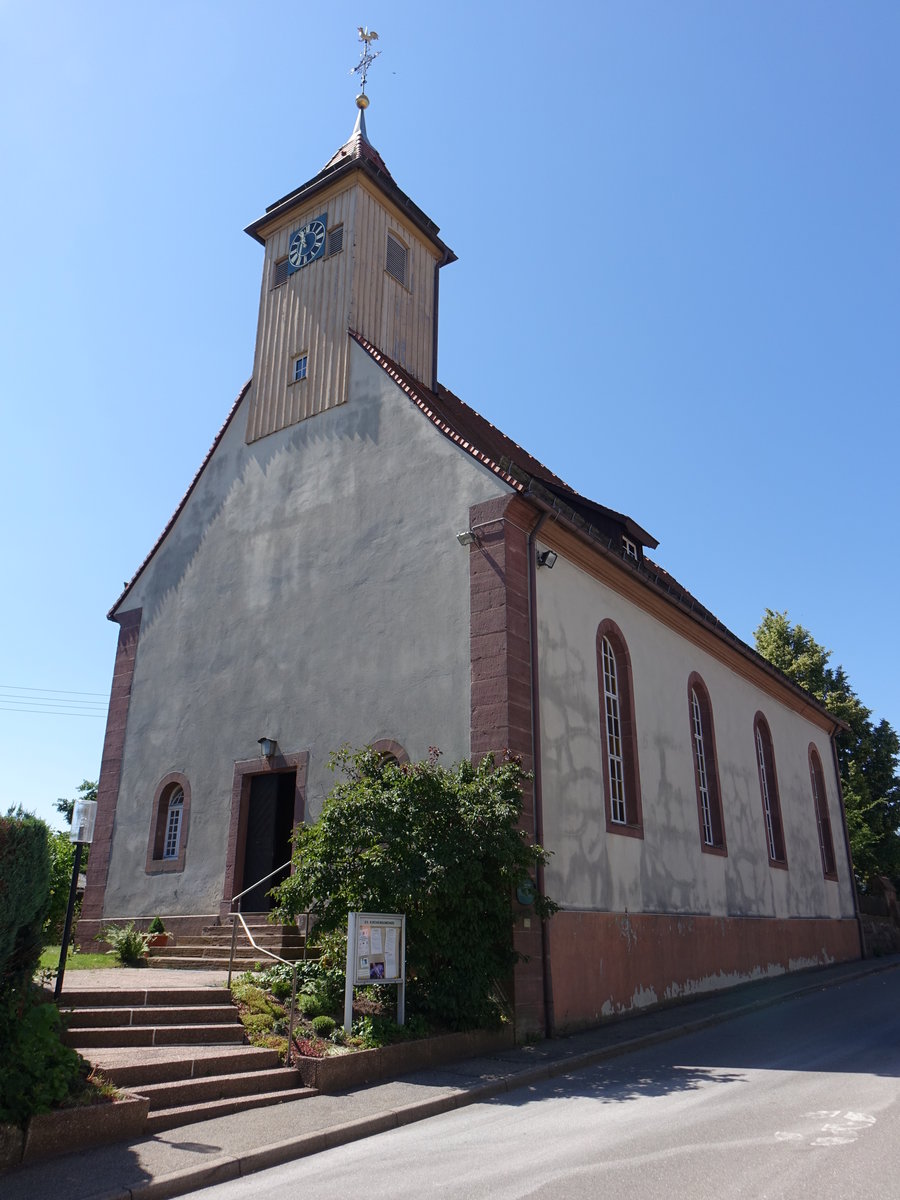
x=546, y=558
x=467, y=537
x=268, y=746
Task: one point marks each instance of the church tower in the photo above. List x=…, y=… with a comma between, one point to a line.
x=346, y=251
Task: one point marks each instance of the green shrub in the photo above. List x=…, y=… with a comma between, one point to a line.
x=24, y=895
x=62, y=861
x=323, y=1027
x=309, y=1005
x=156, y=926
x=39, y=1072
x=128, y=944
x=442, y=846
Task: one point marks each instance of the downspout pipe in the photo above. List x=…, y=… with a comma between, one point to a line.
x=536, y=766
x=840, y=791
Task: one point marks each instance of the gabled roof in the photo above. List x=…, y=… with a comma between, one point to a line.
x=474, y=433
x=528, y=476
x=516, y=467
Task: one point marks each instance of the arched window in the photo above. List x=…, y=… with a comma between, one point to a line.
x=823, y=820
x=706, y=768
x=390, y=751
x=768, y=786
x=621, y=777
x=169, y=825
x=175, y=810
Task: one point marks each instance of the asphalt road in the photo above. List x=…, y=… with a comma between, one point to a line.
x=801, y=1099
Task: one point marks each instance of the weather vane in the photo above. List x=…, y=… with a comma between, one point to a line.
x=366, y=57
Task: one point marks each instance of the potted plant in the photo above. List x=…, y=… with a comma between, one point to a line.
x=156, y=933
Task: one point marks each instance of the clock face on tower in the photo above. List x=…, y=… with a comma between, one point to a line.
x=307, y=244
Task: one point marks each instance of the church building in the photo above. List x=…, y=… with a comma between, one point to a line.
x=363, y=558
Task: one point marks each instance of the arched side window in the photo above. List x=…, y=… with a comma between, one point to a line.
x=706, y=768
x=169, y=822
x=621, y=776
x=823, y=820
x=768, y=786
x=390, y=751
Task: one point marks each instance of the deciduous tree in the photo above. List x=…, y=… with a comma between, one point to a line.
x=442, y=845
x=867, y=753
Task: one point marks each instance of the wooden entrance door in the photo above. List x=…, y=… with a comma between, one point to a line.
x=270, y=821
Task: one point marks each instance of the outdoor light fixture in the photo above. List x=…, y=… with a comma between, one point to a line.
x=84, y=818
x=467, y=537
x=267, y=745
x=546, y=558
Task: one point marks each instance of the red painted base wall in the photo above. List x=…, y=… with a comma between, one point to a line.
x=606, y=964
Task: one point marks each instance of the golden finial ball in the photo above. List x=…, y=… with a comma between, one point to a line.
x=362, y=101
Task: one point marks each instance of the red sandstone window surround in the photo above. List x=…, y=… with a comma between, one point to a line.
x=823, y=820
x=768, y=786
x=706, y=768
x=621, y=776
x=169, y=824
x=390, y=751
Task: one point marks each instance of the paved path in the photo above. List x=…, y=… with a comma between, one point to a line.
x=120, y=979
x=182, y=1160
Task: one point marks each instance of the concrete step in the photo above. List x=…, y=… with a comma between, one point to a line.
x=172, y=1118
x=136, y=1067
x=130, y=997
x=209, y=964
x=180, y=1093
x=107, y=1017
x=195, y=949
x=154, y=1035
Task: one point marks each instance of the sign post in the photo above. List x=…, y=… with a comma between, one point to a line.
x=376, y=953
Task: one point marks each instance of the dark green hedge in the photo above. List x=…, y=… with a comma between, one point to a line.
x=37, y=1071
x=24, y=895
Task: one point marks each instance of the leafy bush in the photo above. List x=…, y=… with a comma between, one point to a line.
x=39, y=1072
x=156, y=926
x=309, y=1005
x=62, y=860
x=441, y=845
x=323, y=1027
x=128, y=944
x=24, y=895
x=320, y=982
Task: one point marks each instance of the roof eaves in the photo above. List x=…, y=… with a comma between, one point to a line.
x=329, y=175
x=546, y=494
x=184, y=499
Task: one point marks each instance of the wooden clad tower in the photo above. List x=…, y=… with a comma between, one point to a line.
x=348, y=250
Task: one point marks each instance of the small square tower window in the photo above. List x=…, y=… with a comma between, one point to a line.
x=301, y=364
x=630, y=548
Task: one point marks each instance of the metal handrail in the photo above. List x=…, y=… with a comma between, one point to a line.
x=238, y=916
x=252, y=886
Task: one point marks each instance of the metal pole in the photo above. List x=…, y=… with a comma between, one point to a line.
x=67, y=928
x=290, y=1049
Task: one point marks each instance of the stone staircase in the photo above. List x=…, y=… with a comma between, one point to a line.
x=211, y=948
x=182, y=1048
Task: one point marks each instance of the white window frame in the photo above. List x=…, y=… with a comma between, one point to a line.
x=174, y=814
x=617, y=800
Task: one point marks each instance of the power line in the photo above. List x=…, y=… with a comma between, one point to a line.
x=13, y=687
x=52, y=712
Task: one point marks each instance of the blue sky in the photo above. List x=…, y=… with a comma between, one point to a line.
x=677, y=285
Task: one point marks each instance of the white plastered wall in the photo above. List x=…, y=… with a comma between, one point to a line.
x=666, y=871
x=313, y=590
